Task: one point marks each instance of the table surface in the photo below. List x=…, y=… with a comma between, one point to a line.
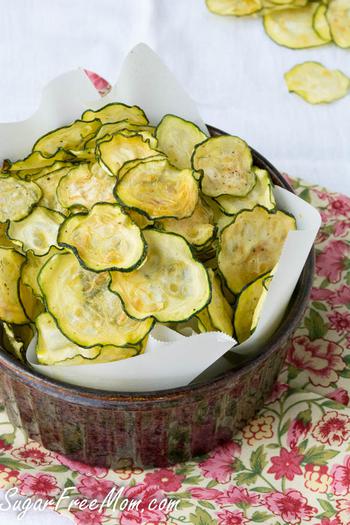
x=230, y=67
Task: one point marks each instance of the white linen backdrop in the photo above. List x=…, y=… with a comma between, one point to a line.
x=229, y=66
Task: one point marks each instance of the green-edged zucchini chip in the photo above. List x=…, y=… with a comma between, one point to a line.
x=316, y=84
x=12, y=343
x=85, y=310
x=5, y=242
x=53, y=348
x=31, y=269
x=293, y=28
x=115, y=112
x=198, y=229
x=177, y=138
x=261, y=194
x=113, y=152
x=146, y=136
x=11, y=310
x=111, y=128
x=32, y=305
x=170, y=286
x=72, y=137
x=226, y=163
x=37, y=161
x=132, y=163
x=234, y=7
x=85, y=185
x=17, y=198
x=247, y=306
x=204, y=322
x=159, y=190
x=320, y=23
x=104, y=239
x=251, y=245
x=338, y=16
x=139, y=219
x=48, y=184
x=219, y=310
x=85, y=155
x=38, y=231
x=33, y=175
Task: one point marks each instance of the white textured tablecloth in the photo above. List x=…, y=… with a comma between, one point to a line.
x=229, y=66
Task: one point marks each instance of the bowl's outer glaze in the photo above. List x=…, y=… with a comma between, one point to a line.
x=151, y=428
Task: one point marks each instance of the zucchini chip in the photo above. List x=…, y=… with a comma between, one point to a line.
x=37, y=161
x=85, y=310
x=204, y=322
x=115, y=112
x=177, y=138
x=117, y=149
x=72, y=137
x=111, y=128
x=5, y=242
x=338, y=16
x=320, y=23
x=198, y=229
x=261, y=194
x=31, y=268
x=85, y=185
x=32, y=306
x=17, y=198
x=33, y=175
x=11, y=310
x=248, y=306
x=293, y=28
x=158, y=190
x=316, y=84
x=170, y=286
x=226, y=164
x=140, y=220
x=103, y=239
x=12, y=343
x=53, y=348
x=251, y=245
x=132, y=163
x=48, y=184
x=219, y=310
x=234, y=7
x=37, y=232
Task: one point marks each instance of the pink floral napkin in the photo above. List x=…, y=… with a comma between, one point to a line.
x=289, y=466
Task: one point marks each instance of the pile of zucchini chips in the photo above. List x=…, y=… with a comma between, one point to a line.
x=110, y=225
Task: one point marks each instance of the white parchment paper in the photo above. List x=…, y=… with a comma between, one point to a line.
x=171, y=359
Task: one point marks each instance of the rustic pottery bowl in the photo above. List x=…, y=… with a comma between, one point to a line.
x=151, y=428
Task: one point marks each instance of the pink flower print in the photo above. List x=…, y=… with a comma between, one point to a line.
x=94, y=488
x=341, y=478
x=165, y=479
x=286, y=464
x=291, y=506
x=331, y=262
x=38, y=484
x=220, y=464
x=333, y=429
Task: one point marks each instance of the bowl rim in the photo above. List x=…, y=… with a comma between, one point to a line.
x=106, y=399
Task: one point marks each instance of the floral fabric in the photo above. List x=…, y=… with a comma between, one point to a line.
x=290, y=465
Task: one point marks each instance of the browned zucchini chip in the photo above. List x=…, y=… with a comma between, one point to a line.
x=17, y=198
x=251, y=245
x=37, y=232
x=11, y=310
x=226, y=164
x=85, y=310
x=170, y=286
x=104, y=239
x=158, y=190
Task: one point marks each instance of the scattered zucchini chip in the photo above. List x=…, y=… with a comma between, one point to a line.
x=177, y=138
x=320, y=23
x=159, y=190
x=32, y=305
x=219, y=309
x=226, y=164
x=234, y=7
x=104, y=239
x=85, y=310
x=33, y=175
x=293, y=28
x=37, y=161
x=113, y=152
x=115, y=112
x=198, y=229
x=111, y=128
x=316, y=84
x=48, y=184
x=261, y=194
x=72, y=137
x=247, y=307
x=338, y=16
x=146, y=136
x=84, y=186
x=251, y=245
x=31, y=268
x=11, y=310
x=17, y=198
x=132, y=163
x=170, y=286
x=38, y=231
